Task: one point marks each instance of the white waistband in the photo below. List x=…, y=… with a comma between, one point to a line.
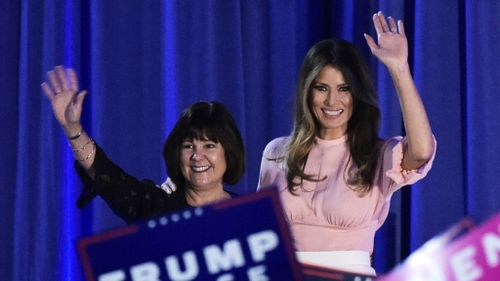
x=351, y=261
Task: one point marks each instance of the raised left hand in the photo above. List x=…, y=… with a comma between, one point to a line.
x=392, y=47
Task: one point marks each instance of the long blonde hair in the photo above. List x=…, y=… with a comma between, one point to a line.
x=363, y=126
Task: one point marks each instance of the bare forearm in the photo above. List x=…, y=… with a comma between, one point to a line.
x=418, y=130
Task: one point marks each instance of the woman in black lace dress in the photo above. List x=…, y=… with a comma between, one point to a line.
x=203, y=152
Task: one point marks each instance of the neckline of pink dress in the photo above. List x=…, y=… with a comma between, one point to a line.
x=323, y=142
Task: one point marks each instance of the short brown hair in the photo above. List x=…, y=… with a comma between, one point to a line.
x=206, y=120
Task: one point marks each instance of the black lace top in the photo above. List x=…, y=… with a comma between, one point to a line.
x=129, y=198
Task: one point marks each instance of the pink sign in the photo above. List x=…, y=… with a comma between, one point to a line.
x=474, y=256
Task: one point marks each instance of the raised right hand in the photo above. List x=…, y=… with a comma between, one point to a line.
x=62, y=91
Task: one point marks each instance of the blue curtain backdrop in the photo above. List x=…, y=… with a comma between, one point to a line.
x=144, y=61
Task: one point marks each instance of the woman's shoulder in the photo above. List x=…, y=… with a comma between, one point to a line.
x=277, y=147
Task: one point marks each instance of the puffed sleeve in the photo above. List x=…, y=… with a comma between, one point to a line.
x=392, y=152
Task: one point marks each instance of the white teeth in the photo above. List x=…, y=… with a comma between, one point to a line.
x=333, y=112
x=200, y=169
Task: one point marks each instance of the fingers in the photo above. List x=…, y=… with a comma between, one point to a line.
x=401, y=28
x=61, y=75
x=78, y=101
x=54, y=81
x=383, y=24
x=371, y=42
x=392, y=25
x=47, y=90
x=73, y=80
x=377, y=24
x=61, y=79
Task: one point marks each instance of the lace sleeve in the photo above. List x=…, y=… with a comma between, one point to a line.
x=128, y=197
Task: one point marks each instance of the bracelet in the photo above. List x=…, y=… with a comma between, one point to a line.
x=83, y=147
x=76, y=136
x=89, y=155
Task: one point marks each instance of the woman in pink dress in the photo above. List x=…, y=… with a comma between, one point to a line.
x=334, y=173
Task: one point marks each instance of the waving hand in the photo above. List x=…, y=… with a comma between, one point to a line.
x=391, y=49
x=392, y=46
x=62, y=91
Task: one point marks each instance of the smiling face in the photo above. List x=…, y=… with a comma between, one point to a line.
x=203, y=163
x=331, y=102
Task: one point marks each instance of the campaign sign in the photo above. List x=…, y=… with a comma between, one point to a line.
x=473, y=256
x=246, y=238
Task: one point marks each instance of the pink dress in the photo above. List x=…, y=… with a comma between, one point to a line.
x=328, y=215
